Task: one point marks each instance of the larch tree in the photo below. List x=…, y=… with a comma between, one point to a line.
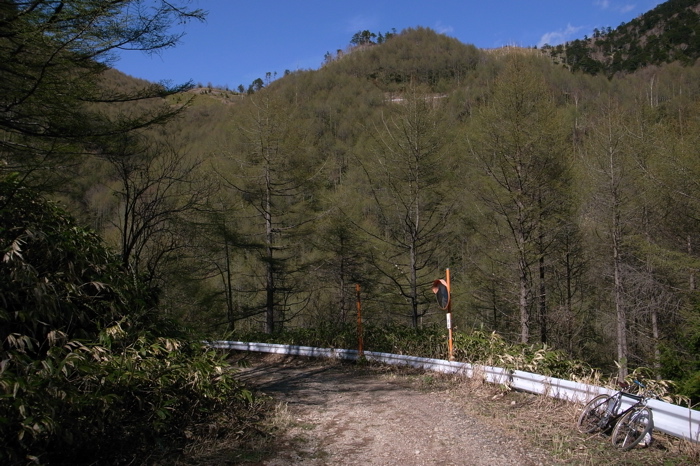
x=342, y=265
x=270, y=170
x=53, y=101
x=519, y=146
x=409, y=169
x=651, y=283
x=156, y=188
x=667, y=153
x=612, y=173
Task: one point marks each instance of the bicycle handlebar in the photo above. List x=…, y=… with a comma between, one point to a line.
x=643, y=391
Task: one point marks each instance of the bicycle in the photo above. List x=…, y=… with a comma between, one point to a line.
x=629, y=427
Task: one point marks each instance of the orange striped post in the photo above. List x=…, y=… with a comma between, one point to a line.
x=441, y=288
x=450, y=349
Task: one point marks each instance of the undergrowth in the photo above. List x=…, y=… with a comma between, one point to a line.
x=476, y=347
x=90, y=370
x=549, y=424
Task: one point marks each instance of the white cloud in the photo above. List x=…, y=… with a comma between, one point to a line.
x=442, y=29
x=558, y=37
x=603, y=4
x=626, y=8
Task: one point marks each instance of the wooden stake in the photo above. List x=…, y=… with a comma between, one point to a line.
x=360, y=334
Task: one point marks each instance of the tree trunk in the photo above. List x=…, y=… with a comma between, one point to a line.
x=414, y=287
x=414, y=260
x=568, y=305
x=542, y=301
x=269, y=263
x=229, y=289
x=655, y=335
x=620, y=313
x=691, y=278
x=523, y=304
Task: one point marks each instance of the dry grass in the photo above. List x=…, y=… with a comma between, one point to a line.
x=550, y=424
x=539, y=422
x=244, y=436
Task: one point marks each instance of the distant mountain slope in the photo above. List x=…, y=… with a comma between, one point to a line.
x=418, y=55
x=670, y=32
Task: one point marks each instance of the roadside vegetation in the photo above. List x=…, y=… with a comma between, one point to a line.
x=91, y=371
x=550, y=425
x=138, y=219
x=475, y=347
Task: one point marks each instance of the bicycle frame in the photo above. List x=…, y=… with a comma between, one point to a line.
x=613, y=413
x=626, y=427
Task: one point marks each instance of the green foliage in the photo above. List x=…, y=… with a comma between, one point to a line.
x=670, y=32
x=57, y=277
x=680, y=360
x=85, y=403
x=88, y=370
x=325, y=335
x=366, y=37
x=690, y=387
x=320, y=129
x=536, y=110
x=54, y=104
x=491, y=349
x=431, y=342
x=415, y=56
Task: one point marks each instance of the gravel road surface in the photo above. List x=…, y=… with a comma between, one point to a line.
x=341, y=414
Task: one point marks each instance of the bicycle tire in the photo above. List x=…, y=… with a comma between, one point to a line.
x=593, y=413
x=631, y=428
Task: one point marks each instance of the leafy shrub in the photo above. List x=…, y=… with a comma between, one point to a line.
x=89, y=369
x=690, y=387
x=431, y=342
x=56, y=277
x=84, y=403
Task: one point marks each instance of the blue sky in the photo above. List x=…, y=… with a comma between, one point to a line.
x=243, y=40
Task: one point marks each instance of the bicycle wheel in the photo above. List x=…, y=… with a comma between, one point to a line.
x=631, y=428
x=593, y=413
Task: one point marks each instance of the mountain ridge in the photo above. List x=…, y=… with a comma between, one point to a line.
x=670, y=32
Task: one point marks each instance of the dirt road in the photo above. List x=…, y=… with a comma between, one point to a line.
x=339, y=414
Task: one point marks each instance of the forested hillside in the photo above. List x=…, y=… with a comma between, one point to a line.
x=668, y=33
x=565, y=204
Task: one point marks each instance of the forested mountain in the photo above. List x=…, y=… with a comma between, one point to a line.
x=565, y=204
x=668, y=33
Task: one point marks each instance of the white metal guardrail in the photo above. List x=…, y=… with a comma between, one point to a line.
x=668, y=418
